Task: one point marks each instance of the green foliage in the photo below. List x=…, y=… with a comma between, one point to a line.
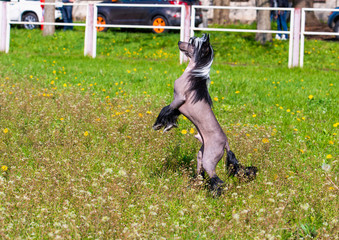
x=80, y=160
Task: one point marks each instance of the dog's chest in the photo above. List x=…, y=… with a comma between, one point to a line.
x=181, y=86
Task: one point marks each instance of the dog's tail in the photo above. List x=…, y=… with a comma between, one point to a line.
x=167, y=118
x=236, y=169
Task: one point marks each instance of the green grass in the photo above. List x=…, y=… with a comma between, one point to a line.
x=83, y=161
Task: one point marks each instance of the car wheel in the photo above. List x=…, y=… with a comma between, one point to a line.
x=159, y=21
x=30, y=17
x=336, y=29
x=101, y=19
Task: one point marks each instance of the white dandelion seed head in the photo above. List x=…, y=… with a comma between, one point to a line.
x=326, y=167
x=305, y=206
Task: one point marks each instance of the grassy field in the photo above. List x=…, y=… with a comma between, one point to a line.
x=79, y=159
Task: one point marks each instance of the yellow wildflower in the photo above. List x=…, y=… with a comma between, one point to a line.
x=184, y=131
x=329, y=156
x=5, y=130
x=4, y=168
x=310, y=97
x=265, y=140
x=86, y=134
x=192, y=131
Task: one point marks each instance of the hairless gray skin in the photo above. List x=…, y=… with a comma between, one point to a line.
x=191, y=98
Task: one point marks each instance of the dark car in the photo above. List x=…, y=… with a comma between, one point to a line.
x=156, y=16
x=333, y=22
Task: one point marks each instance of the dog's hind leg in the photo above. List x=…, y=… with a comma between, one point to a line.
x=213, y=152
x=200, y=169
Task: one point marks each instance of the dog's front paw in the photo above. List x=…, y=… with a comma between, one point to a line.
x=157, y=127
x=169, y=127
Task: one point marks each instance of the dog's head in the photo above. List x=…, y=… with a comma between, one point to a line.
x=197, y=49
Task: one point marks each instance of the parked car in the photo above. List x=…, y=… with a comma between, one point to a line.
x=333, y=22
x=156, y=16
x=24, y=10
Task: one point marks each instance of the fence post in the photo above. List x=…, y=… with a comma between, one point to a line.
x=90, y=31
x=296, y=37
x=182, y=31
x=192, y=21
x=4, y=28
x=290, y=39
x=187, y=24
x=302, y=37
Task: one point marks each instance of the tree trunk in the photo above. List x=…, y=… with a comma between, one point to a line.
x=263, y=22
x=49, y=16
x=221, y=16
x=311, y=19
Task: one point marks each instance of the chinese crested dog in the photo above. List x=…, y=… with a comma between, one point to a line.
x=191, y=98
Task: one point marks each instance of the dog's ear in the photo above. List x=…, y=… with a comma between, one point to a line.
x=206, y=46
x=207, y=38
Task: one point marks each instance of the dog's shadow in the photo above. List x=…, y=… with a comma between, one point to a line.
x=178, y=159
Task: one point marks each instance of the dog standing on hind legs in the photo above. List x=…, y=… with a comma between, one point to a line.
x=191, y=98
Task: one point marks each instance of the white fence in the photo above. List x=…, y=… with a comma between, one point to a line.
x=187, y=26
x=290, y=54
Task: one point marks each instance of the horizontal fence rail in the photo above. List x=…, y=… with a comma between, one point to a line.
x=187, y=25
